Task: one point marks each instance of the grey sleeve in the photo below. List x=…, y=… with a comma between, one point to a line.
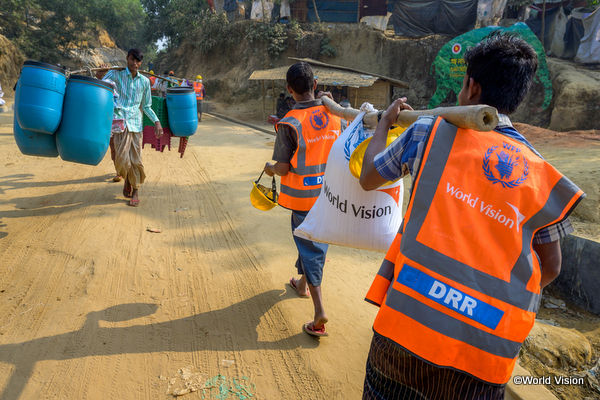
x=285, y=144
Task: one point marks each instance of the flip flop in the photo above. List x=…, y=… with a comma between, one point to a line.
x=128, y=194
x=295, y=287
x=309, y=328
x=134, y=202
x=117, y=178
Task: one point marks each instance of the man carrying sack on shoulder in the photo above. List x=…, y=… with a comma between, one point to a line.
x=460, y=286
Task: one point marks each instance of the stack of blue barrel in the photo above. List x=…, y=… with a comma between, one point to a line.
x=55, y=116
x=73, y=117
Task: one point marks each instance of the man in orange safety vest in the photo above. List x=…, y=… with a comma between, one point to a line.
x=199, y=89
x=460, y=286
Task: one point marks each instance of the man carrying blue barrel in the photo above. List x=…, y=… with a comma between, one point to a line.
x=133, y=90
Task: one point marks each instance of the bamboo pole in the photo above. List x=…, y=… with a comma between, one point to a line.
x=121, y=69
x=273, y=87
x=264, y=102
x=316, y=11
x=481, y=118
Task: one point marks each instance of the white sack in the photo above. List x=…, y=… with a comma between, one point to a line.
x=345, y=214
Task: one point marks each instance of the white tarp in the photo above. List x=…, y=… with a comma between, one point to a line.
x=489, y=12
x=558, y=38
x=589, y=49
x=379, y=22
x=261, y=10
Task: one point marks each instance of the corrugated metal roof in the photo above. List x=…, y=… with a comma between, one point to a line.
x=324, y=76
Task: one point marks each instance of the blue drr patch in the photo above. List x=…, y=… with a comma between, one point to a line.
x=450, y=297
x=313, y=180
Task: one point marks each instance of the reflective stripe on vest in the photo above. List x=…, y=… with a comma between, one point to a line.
x=316, y=130
x=467, y=282
x=198, y=90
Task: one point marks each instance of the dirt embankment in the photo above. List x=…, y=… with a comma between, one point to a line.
x=226, y=71
x=11, y=61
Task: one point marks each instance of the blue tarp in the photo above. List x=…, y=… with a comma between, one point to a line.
x=334, y=11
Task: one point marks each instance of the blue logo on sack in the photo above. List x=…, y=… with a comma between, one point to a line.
x=354, y=139
x=319, y=120
x=313, y=180
x=509, y=158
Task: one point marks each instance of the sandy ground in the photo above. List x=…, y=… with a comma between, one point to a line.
x=95, y=306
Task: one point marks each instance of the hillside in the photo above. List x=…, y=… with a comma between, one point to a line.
x=227, y=67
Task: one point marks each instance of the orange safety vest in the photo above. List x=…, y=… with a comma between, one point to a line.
x=199, y=91
x=152, y=80
x=316, y=130
x=465, y=281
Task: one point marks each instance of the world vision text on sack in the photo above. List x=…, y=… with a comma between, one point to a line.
x=358, y=211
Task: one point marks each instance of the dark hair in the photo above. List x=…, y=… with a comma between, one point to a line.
x=504, y=65
x=136, y=53
x=281, y=95
x=300, y=77
x=166, y=73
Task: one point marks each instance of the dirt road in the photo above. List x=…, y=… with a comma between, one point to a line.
x=95, y=306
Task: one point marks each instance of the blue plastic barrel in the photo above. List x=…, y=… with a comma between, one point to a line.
x=84, y=132
x=41, y=92
x=182, y=111
x=33, y=143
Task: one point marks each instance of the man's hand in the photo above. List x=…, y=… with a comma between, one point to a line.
x=100, y=74
x=269, y=169
x=321, y=94
x=279, y=168
x=391, y=114
x=158, y=129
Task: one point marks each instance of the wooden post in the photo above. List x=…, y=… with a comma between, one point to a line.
x=317, y=12
x=356, y=99
x=274, y=111
x=264, y=102
x=543, y=25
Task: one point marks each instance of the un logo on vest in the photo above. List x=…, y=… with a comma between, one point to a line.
x=319, y=120
x=509, y=163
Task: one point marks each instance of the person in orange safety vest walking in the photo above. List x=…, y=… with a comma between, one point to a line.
x=304, y=139
x=460, y=286
x=199, y=89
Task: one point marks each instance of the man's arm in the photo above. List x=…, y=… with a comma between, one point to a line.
x=550, y=260
x=279, y=168
x=369, y=177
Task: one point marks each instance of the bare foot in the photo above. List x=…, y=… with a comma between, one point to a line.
x=320, y=321
x=135, y=200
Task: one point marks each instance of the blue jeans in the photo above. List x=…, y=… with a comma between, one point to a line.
x=311, y=255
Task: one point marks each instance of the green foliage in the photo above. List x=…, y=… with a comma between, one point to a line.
x=326, y=48
x=274, y=36
x=46, y=29
x=212, y=30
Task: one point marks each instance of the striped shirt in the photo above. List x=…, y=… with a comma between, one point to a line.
x=404, y=155
x=133, y=92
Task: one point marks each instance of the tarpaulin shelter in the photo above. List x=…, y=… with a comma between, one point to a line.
x=418, y=18
x=589, y=48
x=361, y=86
x=573, y=33
x=564, y=32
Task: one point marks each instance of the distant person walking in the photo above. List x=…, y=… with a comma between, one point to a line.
x=134, y=93
x=199, y=89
